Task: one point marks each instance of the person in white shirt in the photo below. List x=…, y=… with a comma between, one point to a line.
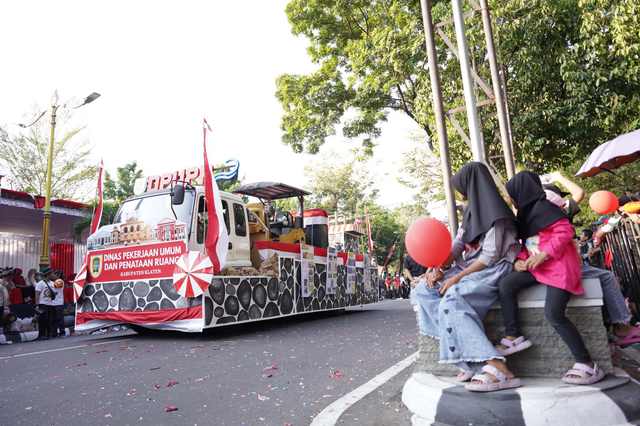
x=44, y=302
x=58, y=304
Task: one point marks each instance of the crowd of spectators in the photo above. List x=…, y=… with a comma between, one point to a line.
x=43, y=291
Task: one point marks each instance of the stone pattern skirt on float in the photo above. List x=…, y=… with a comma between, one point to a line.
x=456, y=318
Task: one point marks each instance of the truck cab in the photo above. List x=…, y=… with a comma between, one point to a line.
x=192, y=211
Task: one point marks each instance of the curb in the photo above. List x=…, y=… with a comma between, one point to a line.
x=444, y=401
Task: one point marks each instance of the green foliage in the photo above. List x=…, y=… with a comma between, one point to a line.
x=339, y=187
x=370, y=56
x=571, y=66
x=24, y=158
x=122, y=188
x=108, y=209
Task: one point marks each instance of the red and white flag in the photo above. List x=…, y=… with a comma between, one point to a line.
x=95, y=224
x=390, y=253
x=369, y=232
x=217, y=242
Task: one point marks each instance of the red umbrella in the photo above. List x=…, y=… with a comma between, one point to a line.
x=192, y=274
x=621, y=150
x=78, y=281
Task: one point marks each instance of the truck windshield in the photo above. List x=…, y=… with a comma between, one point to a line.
x=158, y=206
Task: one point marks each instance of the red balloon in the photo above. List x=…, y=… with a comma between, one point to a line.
x=428, y=241
x=603, y=202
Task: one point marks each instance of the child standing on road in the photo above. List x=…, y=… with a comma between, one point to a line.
x=548, y=256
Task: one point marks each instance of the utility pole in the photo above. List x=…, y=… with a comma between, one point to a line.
x=467, y=83
x=441, y=124
x=497, y=90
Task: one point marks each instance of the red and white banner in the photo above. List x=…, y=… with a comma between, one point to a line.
x=150, y=261
x=266, y=249
x=188, y=320
x=217, y=242
x=314, y=217
x=95, y=224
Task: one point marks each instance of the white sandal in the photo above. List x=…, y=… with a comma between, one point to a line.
x=464, y=375
x=588, y=375
x=488, y=385
x=520, y=344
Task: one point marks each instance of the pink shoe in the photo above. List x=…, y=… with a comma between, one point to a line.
x=588, y=375
x=517, y=345
x=488, y=385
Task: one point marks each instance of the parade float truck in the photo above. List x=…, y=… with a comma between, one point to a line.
x=145, y=268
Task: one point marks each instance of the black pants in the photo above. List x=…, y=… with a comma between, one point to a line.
x=554, y=309
x=44, y=321
x=58, y=321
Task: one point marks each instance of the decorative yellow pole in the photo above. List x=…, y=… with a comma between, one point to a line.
x=46, y=216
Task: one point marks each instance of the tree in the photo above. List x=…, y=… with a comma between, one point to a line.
x=339, y=187
x=370, y=55
x=122, y=188
x=25, y=158
x=109, y=209
x=571, y=84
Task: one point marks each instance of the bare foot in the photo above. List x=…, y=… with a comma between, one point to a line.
x=500, y=366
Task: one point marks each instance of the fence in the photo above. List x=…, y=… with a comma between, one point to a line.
x=621, y=255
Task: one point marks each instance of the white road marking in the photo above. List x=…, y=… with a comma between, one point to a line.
x=330, y=415
x=65, y=349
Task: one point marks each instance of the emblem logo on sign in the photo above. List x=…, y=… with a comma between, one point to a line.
x=96, y=265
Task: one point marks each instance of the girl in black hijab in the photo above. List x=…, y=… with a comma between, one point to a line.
x=452, y=304
x=548, y=256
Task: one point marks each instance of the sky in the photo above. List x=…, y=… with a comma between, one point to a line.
x=161, y=67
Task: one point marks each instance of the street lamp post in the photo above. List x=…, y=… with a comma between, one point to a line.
x=46, y=216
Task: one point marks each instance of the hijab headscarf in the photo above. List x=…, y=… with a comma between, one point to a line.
x=485, y=205
x=535, y=212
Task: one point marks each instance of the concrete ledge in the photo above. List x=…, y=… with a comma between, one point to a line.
x=444, y=401
x=549, y=356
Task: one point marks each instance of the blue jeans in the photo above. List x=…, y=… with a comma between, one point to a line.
x=613, y=298
x=456, y=318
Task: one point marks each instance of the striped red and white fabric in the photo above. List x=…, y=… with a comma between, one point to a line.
x=268, y=248
x=314, y=217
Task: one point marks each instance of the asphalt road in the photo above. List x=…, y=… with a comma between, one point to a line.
x=277, y=372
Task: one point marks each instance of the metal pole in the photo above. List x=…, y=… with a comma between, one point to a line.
x=469, y=96
x=46, y=216
x=497, y=90
x=441, y=124
x=506, y=106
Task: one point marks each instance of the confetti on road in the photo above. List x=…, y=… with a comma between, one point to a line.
x=172, y=383
x=172, y=408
